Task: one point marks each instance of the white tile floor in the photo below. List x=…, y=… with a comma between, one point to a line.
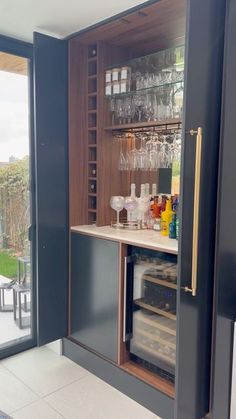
x=39, y=384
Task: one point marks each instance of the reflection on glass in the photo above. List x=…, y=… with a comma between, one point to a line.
x=153, y=343
x=15, y=209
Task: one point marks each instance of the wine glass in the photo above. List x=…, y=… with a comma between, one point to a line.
x=117, y=204
x=122, y=163
x=142, y=155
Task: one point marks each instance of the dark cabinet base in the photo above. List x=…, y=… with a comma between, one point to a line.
x=131, y=386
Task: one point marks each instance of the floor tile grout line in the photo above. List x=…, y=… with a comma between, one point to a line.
x=55, y=410
x=66, y=385
x=35, y=401
x=45, y=395
x=40, y=396
x=20, y=379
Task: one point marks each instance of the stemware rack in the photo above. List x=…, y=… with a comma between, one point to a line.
x=165, y=126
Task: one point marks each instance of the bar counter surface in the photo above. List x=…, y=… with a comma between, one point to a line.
x=143, y=238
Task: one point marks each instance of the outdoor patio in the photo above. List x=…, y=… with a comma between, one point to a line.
x=9, y=330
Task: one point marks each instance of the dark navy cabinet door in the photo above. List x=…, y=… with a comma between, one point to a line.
x=94, y=294
x=51, y=80
x=225, y=268
x=203, y=85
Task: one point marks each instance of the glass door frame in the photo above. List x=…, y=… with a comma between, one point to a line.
x=25, y=50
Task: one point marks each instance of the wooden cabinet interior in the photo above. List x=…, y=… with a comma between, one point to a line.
x=93, y=153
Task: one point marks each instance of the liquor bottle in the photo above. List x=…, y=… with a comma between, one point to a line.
x=175, y=203
x=154, y=190
x=132, y=215
x=147, y=190
x=177, y=227
x=143, y=206
x=163, y=202
x=172, y=227
x=166, y=218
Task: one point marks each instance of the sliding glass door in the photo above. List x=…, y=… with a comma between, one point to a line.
x=16, y=199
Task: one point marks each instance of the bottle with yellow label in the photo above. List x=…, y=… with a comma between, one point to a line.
x=166, y=218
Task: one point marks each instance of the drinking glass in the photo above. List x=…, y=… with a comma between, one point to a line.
x=117, y=204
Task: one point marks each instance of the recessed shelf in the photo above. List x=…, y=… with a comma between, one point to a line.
x=92, y=210
x=92, y=51
x=92, y=178
x=92, y=162
x=93, y=94
x=92, y=145
x=91, y=59
x=92, y=194
x=92, y=111
x=92, y=77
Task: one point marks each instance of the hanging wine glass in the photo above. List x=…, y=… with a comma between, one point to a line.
x=133, y=162
x=122, y=163
x=142, y=154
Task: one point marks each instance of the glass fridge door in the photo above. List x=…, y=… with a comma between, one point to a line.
x=153, y=343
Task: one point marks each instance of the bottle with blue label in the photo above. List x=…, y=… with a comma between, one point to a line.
x=172, y=227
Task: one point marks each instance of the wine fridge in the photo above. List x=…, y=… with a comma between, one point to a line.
x=149, y=328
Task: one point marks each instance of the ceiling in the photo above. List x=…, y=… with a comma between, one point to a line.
x=59, y=18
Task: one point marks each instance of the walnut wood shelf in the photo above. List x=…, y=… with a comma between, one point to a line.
x=92, y=59
x=92, y=77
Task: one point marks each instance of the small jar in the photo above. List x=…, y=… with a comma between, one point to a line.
x=108, y=89
x=115, y=74
x=108, y=76
x=124, y=86
x=115, y=87
x=125, y=73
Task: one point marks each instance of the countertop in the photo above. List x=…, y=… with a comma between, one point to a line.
x=143, y=238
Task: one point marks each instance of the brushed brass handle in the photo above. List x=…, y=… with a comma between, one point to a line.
x=196, y=205
x=125, y=295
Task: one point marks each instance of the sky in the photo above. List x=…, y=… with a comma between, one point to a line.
x=14, y=128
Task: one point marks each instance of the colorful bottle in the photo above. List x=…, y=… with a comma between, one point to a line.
x=172, y=227
x=166, y=218
x=175, y=203
x=177, y=228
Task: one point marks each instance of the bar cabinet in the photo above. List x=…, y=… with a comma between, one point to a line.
x=139, y=305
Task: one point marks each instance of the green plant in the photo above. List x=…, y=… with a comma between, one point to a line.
x=8, y=265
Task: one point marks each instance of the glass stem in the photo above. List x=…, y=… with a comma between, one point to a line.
x=118, y=218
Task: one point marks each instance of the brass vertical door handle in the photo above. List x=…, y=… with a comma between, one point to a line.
x=125, y=298
x=196, y=206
